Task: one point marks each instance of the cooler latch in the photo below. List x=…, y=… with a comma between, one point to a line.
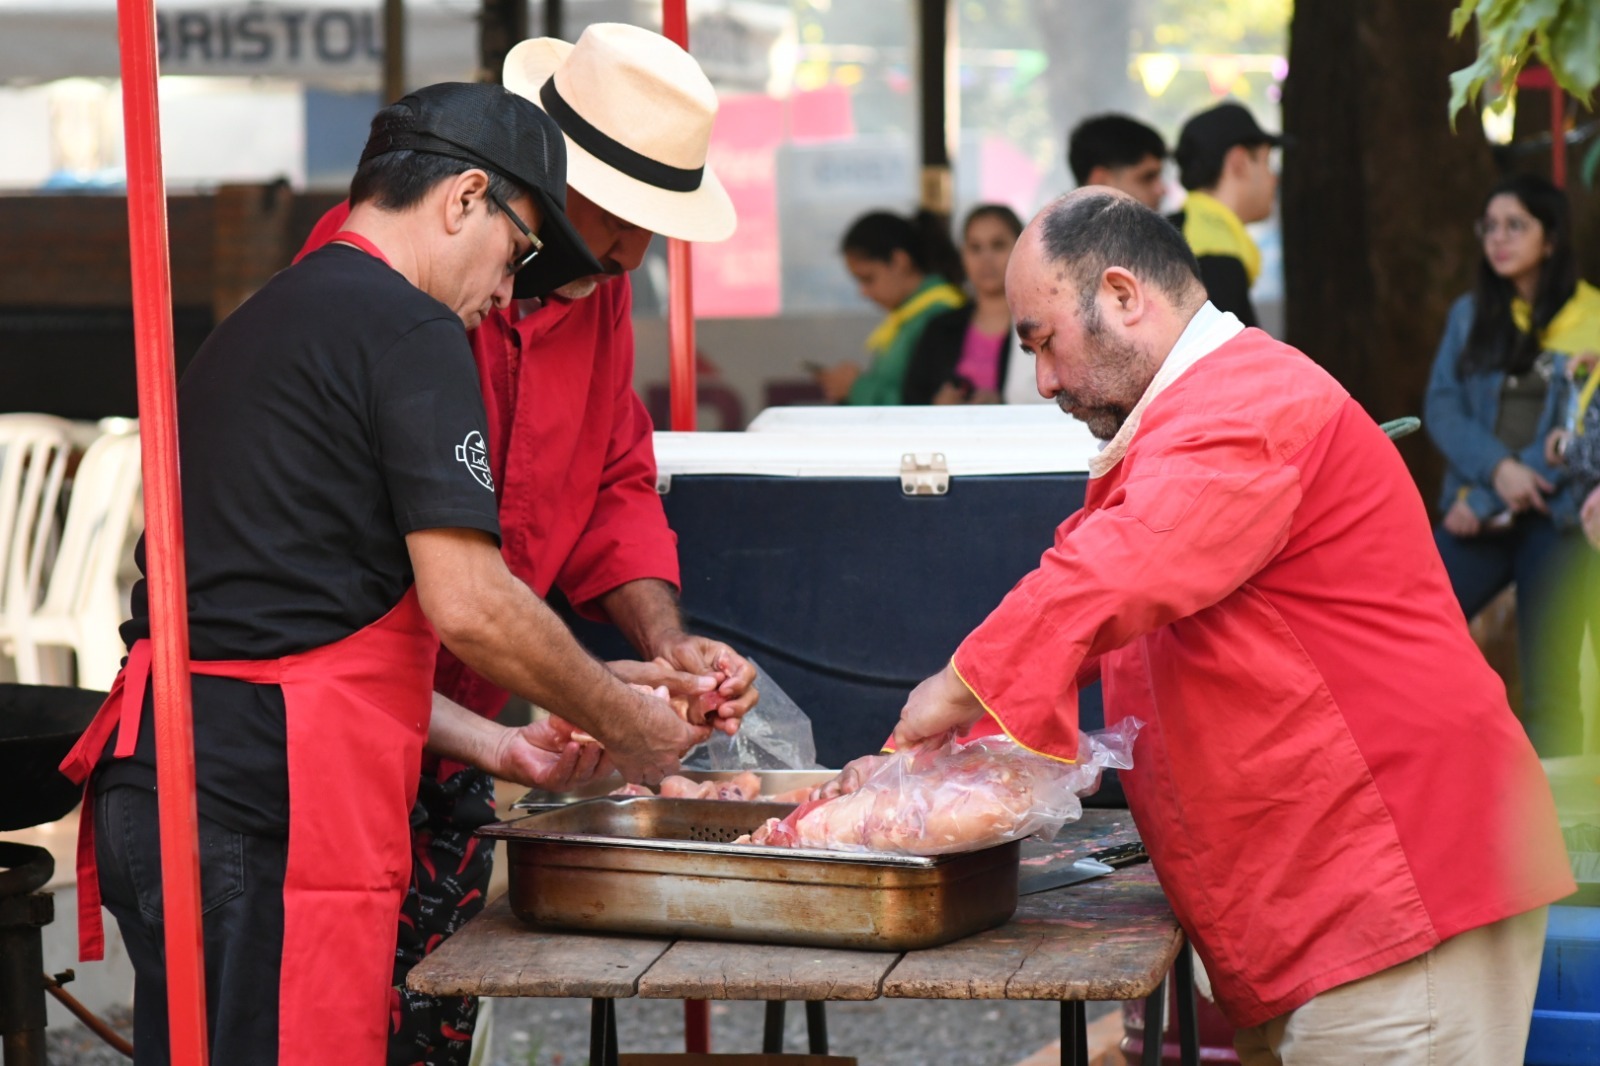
x=919, y=478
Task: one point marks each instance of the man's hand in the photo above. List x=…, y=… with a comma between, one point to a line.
x=731, y=693
x=656, y=738
x=1590, y=514
x=684, y=690
x=1461, y=522
x=1521, y=487
x=940, y=704
x=544, y=755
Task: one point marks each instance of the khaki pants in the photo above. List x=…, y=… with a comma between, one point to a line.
x=1465, y=1003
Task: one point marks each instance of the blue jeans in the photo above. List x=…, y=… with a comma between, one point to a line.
x=241, y=894
x=1546, y=564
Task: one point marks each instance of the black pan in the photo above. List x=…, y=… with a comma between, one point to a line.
x=38, y=726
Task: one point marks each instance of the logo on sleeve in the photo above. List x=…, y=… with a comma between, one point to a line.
x=475, y=454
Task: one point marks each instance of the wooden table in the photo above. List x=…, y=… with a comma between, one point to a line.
x=1113, y=938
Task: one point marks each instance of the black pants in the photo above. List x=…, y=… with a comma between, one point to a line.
x=241, y=890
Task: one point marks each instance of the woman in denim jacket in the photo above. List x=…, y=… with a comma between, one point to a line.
x=1497, y=391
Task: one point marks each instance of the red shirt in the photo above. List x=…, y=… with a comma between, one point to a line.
x=1330, y=780
x=571, y=453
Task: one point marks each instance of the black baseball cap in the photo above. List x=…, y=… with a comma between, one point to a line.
x=1208, y=135
x=493, y=128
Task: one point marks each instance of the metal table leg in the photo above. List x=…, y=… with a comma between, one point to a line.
x=772, y=1031
x=1155, y=1024
x=817, y=1027
x=1188, y=1016
x=602, y=1032
x=1074, y=1033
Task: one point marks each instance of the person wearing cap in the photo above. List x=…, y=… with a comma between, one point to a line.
x=1349, y=822
x=1121, y=152
x=569, y=443
x=340, y=522
x=1225, y=161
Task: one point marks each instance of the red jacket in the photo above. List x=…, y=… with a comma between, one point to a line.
x=571, y=453
x=1330, y=781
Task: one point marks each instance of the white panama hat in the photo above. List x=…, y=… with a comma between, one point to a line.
x=636, y=111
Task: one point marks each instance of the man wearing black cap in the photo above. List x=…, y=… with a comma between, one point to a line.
x=339, y=513
x=1224, y=160
x=570, y=448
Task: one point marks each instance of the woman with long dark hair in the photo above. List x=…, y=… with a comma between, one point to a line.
x=1497, y=391
x=910, y=268
x=966, y=355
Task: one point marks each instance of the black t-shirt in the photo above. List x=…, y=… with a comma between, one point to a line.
x=334, y=412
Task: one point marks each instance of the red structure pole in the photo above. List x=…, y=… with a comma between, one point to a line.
x=1541, y=78
x=680, y=293
x=685, y=405
x=169, y=610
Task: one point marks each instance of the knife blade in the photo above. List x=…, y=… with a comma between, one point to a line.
x=1097, y=865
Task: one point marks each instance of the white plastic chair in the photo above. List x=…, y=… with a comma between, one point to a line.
x=82, y=605
x=33, y=460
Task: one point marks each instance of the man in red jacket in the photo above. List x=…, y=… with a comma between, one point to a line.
x=569, y=445
x=1349, y=822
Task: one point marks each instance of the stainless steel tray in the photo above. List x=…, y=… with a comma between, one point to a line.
x=668, y=868
x=773, y=782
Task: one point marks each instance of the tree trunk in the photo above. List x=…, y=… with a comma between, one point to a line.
x=1378, y=199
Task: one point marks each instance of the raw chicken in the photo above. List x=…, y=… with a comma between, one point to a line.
x=947, y=797
x=745, y=786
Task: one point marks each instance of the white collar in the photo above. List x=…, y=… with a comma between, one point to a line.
x=1207, y=331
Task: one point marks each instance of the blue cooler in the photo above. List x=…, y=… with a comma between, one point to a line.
x=1566, y=1010
x=849, y=550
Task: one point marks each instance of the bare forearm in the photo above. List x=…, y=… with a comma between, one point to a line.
x=517, y=642
x=457, y=734
x=647, y=612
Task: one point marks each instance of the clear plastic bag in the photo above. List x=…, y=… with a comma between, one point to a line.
x=774, y=735
x=947, y=797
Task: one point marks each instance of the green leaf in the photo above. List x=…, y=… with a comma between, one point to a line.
x=1573, y=49
x=1591, y=164
x=1461, y=18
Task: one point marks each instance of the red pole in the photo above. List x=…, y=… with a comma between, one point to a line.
x=680, y=294
x=169, y=612
x=685, y=404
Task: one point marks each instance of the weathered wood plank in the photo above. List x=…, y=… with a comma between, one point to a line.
x=701, y=969
x=495, y=954
x=1112, y=938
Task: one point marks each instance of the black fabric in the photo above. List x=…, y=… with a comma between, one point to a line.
x=451, y=867
x=1226, y=280
x=1228, y=286
x=334, y=412
x=241, y=898
x=938, y=352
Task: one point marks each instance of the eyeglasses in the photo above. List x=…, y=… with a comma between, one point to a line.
x=1511, y=227
x=519, y=262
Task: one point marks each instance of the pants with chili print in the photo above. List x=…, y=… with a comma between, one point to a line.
x=449, y=880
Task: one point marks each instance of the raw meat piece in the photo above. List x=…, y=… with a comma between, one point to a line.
x=632, y=790
x=948, y=797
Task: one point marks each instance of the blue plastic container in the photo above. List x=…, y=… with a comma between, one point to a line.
x=1566, y=1009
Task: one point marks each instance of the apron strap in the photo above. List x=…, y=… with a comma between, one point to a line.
x=353, y=238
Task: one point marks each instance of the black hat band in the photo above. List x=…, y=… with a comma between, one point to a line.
x=614, y=153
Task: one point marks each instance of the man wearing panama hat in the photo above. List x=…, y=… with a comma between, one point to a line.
x=569, y=443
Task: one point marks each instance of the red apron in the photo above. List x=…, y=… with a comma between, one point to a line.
x=357, y=716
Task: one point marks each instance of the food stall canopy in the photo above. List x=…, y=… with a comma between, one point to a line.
x=333, y=44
